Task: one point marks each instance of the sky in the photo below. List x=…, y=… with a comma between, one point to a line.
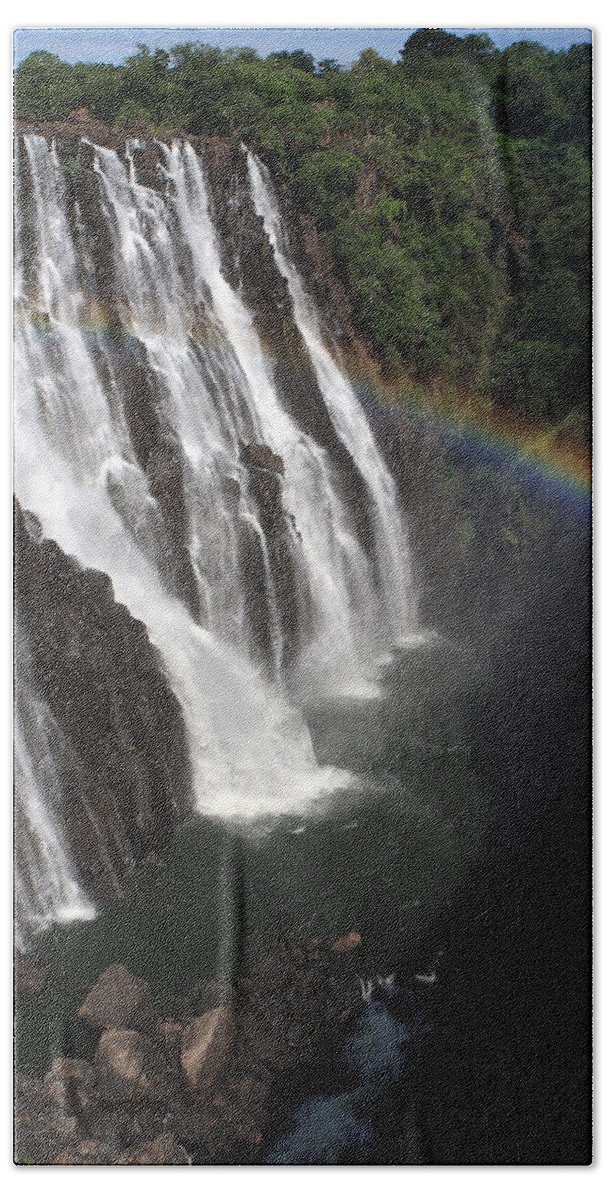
x=115, y=44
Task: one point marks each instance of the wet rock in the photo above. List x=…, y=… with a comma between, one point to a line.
x=213, y=995
x=164, y=1151
x=89, y=1152
x=210, y=1083
x=126, y=774
x=170, y=1030
x=135, y=1067
x=42, y=1129
x=204, y=1046
x=263, y=458
x=346, y=945
x=127, y=1124
x=117, y=998
x=71, y=1084
x=120, y=1064
x=265, y=471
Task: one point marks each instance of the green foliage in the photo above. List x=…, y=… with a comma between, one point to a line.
x=45, y=88
x=452, y=188
x=299, y=60
x=328, y=66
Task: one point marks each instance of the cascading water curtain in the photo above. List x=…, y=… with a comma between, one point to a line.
x=79, y=471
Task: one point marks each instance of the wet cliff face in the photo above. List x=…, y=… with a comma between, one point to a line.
x=250, y=267
x=94, y=666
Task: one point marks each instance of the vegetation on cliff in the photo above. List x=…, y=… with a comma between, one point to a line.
x=452, y=189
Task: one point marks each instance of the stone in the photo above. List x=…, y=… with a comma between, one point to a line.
x=42, y=1129
x=164, y=1151
x=127, y=1124
x=170, y=1030
x=71, y=1083
x=90, y=1152
x=120, y=1063
x=346, y=945
x=116, y=999
x=205, y=1041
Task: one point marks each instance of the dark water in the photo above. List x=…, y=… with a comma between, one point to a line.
x=462, y=855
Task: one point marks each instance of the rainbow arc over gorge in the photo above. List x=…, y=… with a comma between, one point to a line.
x=547, y=451
x=550, y=452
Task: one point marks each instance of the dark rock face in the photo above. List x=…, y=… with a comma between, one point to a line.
x=159, y=455
x=265, y=470
x=263, y=458
x=94, y=666
x=249, y=265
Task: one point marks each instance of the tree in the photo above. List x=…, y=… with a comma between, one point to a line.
x=452, y=190
x=146, y=80
x=299, y=60
x=45, y=88
x=434, y=42
x=241, y=54
x=370, y=62
x=328, y=66
x=99, y=90
x=478, y=46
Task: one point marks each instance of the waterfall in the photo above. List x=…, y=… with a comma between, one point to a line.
x=347, y=417
x=336, y=572
x=215, y=407
x=46, y=888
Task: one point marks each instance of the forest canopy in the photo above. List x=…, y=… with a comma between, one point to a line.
x=452, y=188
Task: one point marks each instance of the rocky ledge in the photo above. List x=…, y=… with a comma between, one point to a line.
x=93, y=664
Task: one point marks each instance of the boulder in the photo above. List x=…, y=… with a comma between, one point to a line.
x=88, y=1153
x=164, y=1151
x=71, y=1083
x=120, y=1064
x=205, y=1042
x=116, y=999
x=348, y=943
x=127, y=1124
x=170, y=1030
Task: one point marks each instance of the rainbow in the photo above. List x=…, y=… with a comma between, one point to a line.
x=553, y=454
x=550, y=453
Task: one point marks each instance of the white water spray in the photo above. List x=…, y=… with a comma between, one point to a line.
x=347, y=417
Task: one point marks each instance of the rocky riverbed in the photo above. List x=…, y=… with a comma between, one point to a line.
x=195, y=1085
